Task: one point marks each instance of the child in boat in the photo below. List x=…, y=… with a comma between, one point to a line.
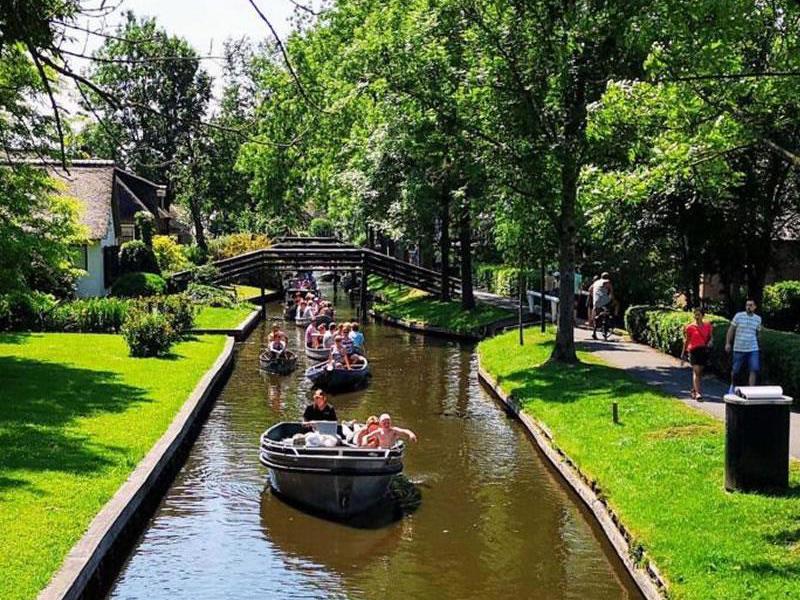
x=357, y=337
x=386, y=435
x=319, y=335
x=371, y=426
x=277, y=335
x=338, y=356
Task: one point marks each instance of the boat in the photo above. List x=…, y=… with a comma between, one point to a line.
x=303, y=321
x=318, y=354
x=339, y=378
x=341, y=481
x=280, y=366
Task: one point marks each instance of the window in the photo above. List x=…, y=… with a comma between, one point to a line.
x=80, y=257
x=127, y=232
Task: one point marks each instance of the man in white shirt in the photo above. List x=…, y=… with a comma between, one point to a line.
x=744, y=339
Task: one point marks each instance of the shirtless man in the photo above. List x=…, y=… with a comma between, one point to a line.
x=277, y=335
x=387, y=435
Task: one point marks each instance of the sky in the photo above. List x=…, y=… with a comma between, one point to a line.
x=206, y=24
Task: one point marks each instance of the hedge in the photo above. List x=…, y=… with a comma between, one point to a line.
x=135, y=285
x=662, y=328
x=501, y=279
x=781, y=305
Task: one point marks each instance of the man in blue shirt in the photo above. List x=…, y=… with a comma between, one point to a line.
x=744, y=339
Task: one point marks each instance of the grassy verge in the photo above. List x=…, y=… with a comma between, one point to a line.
x=77, y=415
x=214, y=317
x=407, y=303
x=245, y=292
x=661, y=470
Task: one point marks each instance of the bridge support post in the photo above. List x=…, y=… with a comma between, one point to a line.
x=362, y=300
x=335, y=286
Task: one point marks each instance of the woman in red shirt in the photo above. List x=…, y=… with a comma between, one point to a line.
x=697, y=341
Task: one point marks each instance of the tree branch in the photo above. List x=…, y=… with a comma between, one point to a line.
x=56, y=111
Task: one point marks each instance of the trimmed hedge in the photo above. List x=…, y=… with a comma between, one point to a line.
x=135, y=285
x=781, y=305
x=662, y=328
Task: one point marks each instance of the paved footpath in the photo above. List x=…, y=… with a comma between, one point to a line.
x=665, y=373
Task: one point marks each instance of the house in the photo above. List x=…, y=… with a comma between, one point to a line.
x=109, y=198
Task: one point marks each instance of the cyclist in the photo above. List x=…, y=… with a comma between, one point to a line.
x=601, y=293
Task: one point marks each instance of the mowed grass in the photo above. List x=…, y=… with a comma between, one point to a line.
x=215, y=317
x=410, y=304
x=77, y=414
x=245, y=292
x=661, y=469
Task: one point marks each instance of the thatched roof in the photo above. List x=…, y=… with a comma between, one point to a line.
x=91, y=183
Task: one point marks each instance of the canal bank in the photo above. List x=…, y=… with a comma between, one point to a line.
x=659, y=472
x=494, y=520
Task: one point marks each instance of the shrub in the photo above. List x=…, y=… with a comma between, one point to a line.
x=227, y=246
x=25, y=310
x=195, y=254
x=145, y=223
x=204, y=274
x=134, y=285
x=501, y=279
x=321, y=227
x=781, y=306
x=209, y=295
x=177, y=308
x=169, y=256
x=135, y=257
x=92, y=315
x=147, y=333
x=662, y=328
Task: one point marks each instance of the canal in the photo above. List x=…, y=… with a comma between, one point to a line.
x=493, y=522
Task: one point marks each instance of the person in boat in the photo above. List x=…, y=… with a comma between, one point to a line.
x=319, y=409
x=310, y=332
x=357, y=337
x=347, y=341
x=301, y=309
x=370, y=426
x=310, y=311
x=327, y=339
x=387, y=435
x=319, y=335
x=276, y=333
x=338, y=357
x=277, y=341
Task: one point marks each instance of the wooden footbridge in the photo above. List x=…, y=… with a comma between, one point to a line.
x=328, y=254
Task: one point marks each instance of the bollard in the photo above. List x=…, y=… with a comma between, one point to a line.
x=615, y=412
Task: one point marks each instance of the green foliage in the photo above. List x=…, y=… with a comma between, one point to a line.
x=662, y=462
x=502, y=280
x=195, y=254
x=204, y=274
x=209, y=295
x=21, y=310
x=179, y=310
x=169, y=254
x=663, y=328
x=145, y=224
x=227, y=246
x=134, y=285
x=781, y=305
x=91, y=315
x=136, y=256
x=321, y=227
x=148, y=333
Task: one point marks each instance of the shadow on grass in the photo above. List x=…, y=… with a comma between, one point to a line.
x=14, y=337
x=40, y=401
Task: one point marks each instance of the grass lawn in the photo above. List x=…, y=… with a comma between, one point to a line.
x=244, y=292
x=410, y=304
x=77, y=414
x=214, y=317
x=662, y=471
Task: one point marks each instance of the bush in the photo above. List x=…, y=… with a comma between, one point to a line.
x=195, y=254
x=146, y=224
x=177, y=308
x=136, y=257
x=147, y=333
x=25, y=310
x=227, y=246
x=135, y=285
x=662, y=328
x=203, y=274
x=169, y=255
x=209, y=295
x=501, y=279
x=93, y=315
x=320, y=227
x=781, y=306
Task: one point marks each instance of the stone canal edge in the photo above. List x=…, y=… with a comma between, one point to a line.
x=92, y=562
x=643, y=572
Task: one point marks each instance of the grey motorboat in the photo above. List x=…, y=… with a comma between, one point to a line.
x=340, y=481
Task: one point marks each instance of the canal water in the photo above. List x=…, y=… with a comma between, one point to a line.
x=493, y=521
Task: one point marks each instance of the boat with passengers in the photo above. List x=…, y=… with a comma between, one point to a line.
x=332, y=475
x=338, y=378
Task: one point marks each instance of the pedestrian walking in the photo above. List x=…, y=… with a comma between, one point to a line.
x=697, y=342
x=744, y=338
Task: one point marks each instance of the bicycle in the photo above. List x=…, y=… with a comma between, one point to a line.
x=602, y=321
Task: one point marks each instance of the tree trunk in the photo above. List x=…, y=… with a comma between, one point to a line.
x=199, y=230
x=465, y=238
x=444, y=243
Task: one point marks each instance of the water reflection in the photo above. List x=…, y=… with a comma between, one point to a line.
x=493, y=521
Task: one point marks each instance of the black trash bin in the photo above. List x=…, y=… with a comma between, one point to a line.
x=757, y=439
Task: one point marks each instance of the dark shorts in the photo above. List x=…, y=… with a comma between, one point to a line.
x=751, y=359
x=698, y=357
